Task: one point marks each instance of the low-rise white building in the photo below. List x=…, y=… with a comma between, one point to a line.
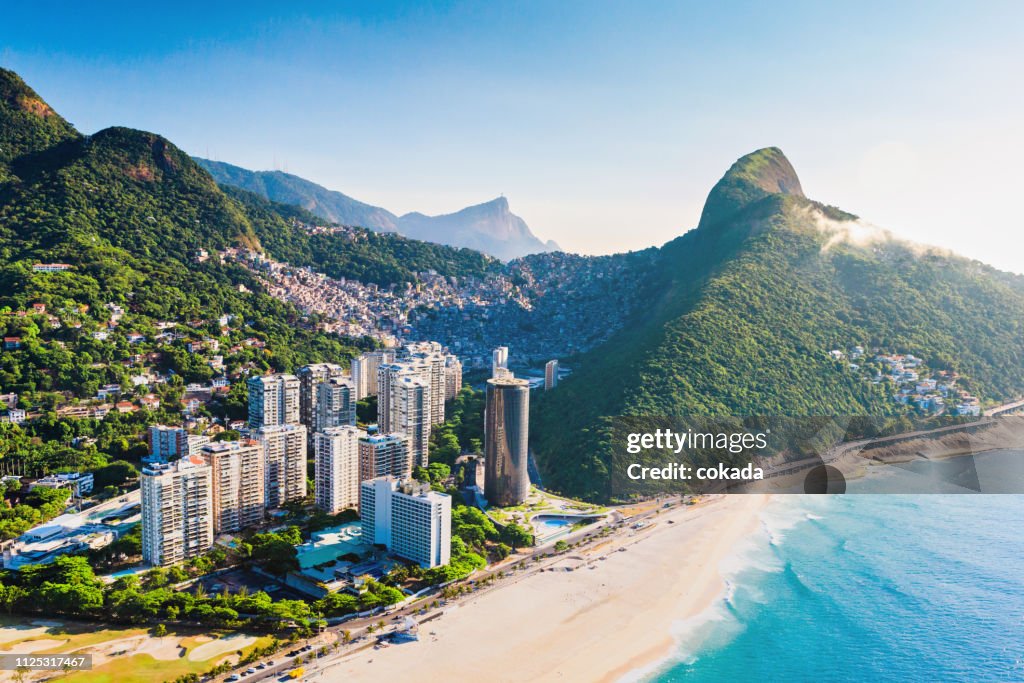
x=408, y=518
x=80, y=483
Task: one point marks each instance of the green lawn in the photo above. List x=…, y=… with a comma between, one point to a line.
x=137, y=668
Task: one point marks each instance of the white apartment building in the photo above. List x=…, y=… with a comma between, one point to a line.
x=311, y=377
x=195, y=443
x=337, y=468
x=550, y=375
x=388, y=374
x=177, y=520
x=429, y=362
x=364, y=371
x=336, y=404
x=238, y=497
x=408, y=518
x=170, y=443
x=410, y=415
x=273, y=400
x=384, y=454
x=375, y=510
x=284, y=464
x=452, y=377
x=499, y=360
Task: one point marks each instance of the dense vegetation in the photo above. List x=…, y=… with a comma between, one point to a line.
x=29, y=123
x=462, y=430
x=753, y=301
x=289, y=189
x=40, y=505
x=341, y=604
x=368, y=256
x=69, y=587
x=129, y=211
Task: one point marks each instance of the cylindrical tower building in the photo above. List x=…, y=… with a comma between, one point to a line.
x=506, y=430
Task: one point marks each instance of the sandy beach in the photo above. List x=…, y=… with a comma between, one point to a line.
x=611, y=615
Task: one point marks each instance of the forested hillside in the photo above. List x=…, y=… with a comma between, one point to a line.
x=755, y=299
x=128, y=213
x=365, y=255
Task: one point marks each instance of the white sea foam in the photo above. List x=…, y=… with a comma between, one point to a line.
x=718, y=624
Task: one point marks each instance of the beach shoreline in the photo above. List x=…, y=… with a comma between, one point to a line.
x=600, y=614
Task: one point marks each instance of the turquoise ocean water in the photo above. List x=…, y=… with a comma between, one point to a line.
x=867, y=588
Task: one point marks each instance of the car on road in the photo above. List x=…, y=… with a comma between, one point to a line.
x=232, y=678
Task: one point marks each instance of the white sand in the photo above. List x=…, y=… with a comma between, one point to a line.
x=29, y=646
x=10, y=634
x=585, y=625
x=165, y=648
x=220, y=646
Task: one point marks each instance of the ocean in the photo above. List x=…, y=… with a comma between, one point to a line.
x=867, y=588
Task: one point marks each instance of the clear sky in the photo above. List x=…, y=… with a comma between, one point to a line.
x=604, y=124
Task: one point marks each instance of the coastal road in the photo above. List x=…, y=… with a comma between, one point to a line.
x=837, y=452
x=513, y=570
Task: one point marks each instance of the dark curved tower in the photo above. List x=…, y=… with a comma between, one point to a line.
x=506, y=430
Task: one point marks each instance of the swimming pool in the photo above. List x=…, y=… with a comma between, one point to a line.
x=551, y=527
x=554, y=523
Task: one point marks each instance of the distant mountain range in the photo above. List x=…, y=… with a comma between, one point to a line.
x=489, y=227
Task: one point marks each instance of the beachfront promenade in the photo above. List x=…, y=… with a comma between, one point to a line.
x=511, y=571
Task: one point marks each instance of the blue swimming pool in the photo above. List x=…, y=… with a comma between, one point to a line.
x=554, y=523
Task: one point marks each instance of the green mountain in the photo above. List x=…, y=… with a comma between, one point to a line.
x=358, y=253
x=286, y=188
x=30, y=125
x=128, y=212
x=753, y=301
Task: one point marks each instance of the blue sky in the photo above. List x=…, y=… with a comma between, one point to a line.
x=604, y=125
